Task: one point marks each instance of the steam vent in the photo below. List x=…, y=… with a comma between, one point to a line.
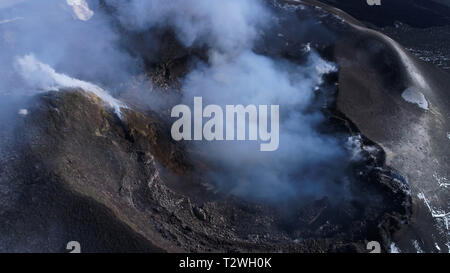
x=224, y=126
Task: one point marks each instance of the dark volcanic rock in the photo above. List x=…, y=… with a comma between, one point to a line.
x=86, y=175
x=374, y=73
x=418, y=13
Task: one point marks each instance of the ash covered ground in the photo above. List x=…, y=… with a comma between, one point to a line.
x=420, y=26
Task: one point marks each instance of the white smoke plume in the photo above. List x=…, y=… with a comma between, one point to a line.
x=224, y=25
x=43, y=77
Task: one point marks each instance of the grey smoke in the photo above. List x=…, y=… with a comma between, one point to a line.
x=307, y=164
x=223, y=25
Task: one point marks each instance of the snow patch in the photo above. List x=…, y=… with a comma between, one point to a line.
x=413, y=95
x=437, y=246
x=81, y=9
x=435, y=213
x=417, y=246
x=442, y=181
x=42, y=76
